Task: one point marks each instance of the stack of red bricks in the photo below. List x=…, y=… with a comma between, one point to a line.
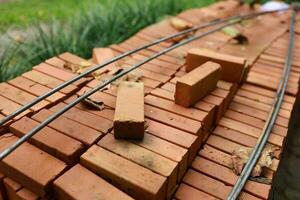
x=77, y=157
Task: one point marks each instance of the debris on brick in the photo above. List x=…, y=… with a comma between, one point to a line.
x=180, y=24
x=241, y=155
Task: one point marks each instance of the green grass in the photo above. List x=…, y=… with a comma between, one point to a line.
x=79, y=28
x=22, y=13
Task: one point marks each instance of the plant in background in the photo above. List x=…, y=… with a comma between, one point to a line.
x=96, y=25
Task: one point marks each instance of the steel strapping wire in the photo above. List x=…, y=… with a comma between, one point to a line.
x=262, y=140
x=99, y=66
x=31, y=133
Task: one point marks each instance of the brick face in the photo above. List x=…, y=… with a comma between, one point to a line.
x=50, y=140
x=143, y=157
x=197, y=83
x=43, y=167
x=80, y=183
x=70, y=128
x=137, y=181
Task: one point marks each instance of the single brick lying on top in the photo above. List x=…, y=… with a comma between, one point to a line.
x=80, y=183
x=232, y=66
x=197, y=84
x=129, y=114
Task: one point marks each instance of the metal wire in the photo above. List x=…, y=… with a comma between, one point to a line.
x=99, y=66
x=261, y=142
x=27, y=136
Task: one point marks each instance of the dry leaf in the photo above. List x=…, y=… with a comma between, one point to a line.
x=98, y=105
x=78, y=68
x=180, y=24
x=241, y=155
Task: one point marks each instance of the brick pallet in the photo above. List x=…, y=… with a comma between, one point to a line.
x=185, y=153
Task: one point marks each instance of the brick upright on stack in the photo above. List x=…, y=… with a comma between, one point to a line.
x=129, y=114
x=197, y=84
x=232, y=66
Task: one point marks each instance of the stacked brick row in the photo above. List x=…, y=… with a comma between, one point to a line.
x=77, y=157
x=211, y=175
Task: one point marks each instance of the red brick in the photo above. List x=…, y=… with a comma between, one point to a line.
x=168, y=90
x=173, y=135
x=174, y=108
x=70, y=128
x=218, y=102
x=7, y=106
x=210, y=186
x=113, y=90
x=174, y=120
x=49, y=140
x=25, y=194
x=227, y=175
x=129, y=114
x=228, y=140
x=200, y=105
x=43, y=167
x=20, y=96
x=147, y=52
x=85, y=118
x=135, y=180
x=151, y=39
x=34, y=88
x=260, y=106
x=56, y=62
x=215, y=155
x=168, y=150
x=225, y=159
x=48, y=81
x=106, y=113
x=143, y=157
x=258, y=123
x=80, y=183
x=61, y=74
x=270, y=83
x=276, y=73
x=257, y=113
x=192, y=87
x=250, y=130
x=11, y=188
x=149, y=83
x=222, y=144
x=160, y=63
x=187, y=192
x=71, y=58
x=232, y=66
x=152, y=67
x=152, y=75
x=263, y=99
x=53, y=71
x=102, y=55
x=235, y=136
